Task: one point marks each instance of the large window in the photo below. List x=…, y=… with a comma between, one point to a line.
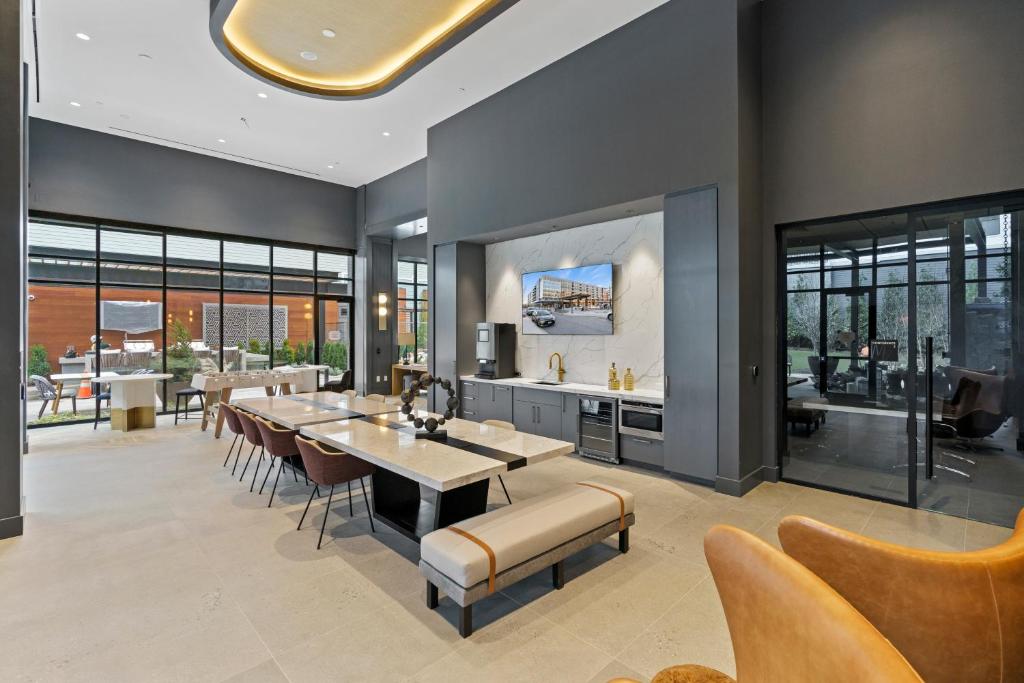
x=119, y=299
x=413, y=295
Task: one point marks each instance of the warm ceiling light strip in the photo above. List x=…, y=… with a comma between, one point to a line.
x=232, y=18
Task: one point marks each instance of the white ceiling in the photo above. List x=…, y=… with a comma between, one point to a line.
x=189, y=95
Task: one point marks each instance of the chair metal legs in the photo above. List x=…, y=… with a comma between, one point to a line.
x=267, y=476
x=231, y=448
x=273, y=490
x=327, y=511
x=247, y=461
x=308, y=503
x=350, y=513
x=42, y=408
x=256, y=473
x=502, y=482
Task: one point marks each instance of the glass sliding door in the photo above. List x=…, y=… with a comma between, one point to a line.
x=334, y=335
x=901, y=351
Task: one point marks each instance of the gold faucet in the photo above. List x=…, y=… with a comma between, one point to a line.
x=561, y=370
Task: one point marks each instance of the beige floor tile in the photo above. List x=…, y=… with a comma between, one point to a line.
x=916, y=528
x=608, y=597
x=981, y=536
x=618, y=670
x=684, y=536
x=267, y=672
x=520, y=646
x=693, y=631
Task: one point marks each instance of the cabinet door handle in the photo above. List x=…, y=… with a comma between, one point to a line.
x=643, y=441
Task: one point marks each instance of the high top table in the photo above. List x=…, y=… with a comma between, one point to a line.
x=300, y=410
x=132, y=399
x=219, y=385
x=457, y=470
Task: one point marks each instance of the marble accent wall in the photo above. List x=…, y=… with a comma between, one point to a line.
x=634, y=246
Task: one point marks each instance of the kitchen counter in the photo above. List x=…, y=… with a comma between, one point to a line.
x=648, y=395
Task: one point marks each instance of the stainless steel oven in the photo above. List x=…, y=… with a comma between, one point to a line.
x=641, y=419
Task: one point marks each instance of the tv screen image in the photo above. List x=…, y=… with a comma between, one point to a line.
x=568, y=301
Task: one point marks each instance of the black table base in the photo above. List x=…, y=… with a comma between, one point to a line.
x=398, y=504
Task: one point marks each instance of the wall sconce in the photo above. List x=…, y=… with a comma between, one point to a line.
x=382, y=311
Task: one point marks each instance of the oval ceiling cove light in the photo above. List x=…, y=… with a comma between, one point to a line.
x=378, y=46
x=82, y=36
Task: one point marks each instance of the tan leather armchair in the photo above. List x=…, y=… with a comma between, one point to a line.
x=787, y=624
x=954, y=616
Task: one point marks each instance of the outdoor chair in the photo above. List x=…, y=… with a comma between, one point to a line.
x=48, y=393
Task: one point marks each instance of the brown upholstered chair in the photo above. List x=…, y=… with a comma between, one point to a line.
x=280, y=443
x=787, y=624
x=231, y=418
x=955, y=616
x=328, y=467
x=253, y=436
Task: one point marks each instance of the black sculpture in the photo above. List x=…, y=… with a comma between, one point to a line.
x=425, y=381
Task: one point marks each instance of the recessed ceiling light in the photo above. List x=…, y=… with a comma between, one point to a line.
x=74, y=104
x=328, y=33
x=221, y=140
x=143, y=55
x=308, y=56
x=82, y=36
x=261, y=95
x=386, y=134
x=330, y=165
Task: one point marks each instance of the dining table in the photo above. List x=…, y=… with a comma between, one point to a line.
x=422, y=484
x=299, y=410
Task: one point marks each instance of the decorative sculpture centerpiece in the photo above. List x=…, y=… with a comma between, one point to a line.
x=425, y=381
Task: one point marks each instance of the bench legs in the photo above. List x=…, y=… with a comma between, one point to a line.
x=431, y=596
x=558, y=574
x=624, y=540
x=466, y=621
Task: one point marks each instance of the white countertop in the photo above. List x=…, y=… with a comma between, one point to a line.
x=151, y=377
x=574, y=388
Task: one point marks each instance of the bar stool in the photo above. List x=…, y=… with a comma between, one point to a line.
x=328, y=468
x=188, y=393
x=280, y=443
x=231, y=418
x=253, y=436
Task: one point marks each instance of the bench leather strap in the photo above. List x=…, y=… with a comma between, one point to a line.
x=622, y=502
x=487, y=549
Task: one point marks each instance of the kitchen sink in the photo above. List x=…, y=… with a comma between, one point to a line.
x=547, y=382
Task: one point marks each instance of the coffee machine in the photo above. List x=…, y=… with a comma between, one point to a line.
x=495, y=350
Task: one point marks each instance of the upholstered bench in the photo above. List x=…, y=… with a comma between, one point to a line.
x=472, y=559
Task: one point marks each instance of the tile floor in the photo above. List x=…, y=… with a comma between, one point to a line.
x=143, y=559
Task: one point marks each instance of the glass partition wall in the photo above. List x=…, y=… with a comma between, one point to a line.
x=413, y=306
x=899, y=339
x=130, y=300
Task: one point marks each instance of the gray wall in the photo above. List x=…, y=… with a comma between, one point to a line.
x=650, y=109
x=872, y=104
x=397, y=198
x=83, y=172
x=12, y=224
x=412, y=247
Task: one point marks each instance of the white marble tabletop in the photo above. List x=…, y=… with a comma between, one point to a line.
x=298, y=410
x=65, y=376
x=650, y=395
x=435, y=464
x=152, y=377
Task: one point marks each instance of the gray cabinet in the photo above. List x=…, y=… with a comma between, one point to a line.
x=639, y=449
x=691, y=333
x=484, y=401
x=537, y=411
x=456, y=305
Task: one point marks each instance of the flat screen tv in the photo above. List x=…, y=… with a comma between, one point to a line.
x=568, y=301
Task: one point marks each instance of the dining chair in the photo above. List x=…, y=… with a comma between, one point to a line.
x=231, y=418
x=280, y=443
x=328, y=467
x=376, y=397
x=48, y=392
x=501, y=424
x=253, y=436
x=351, y=393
